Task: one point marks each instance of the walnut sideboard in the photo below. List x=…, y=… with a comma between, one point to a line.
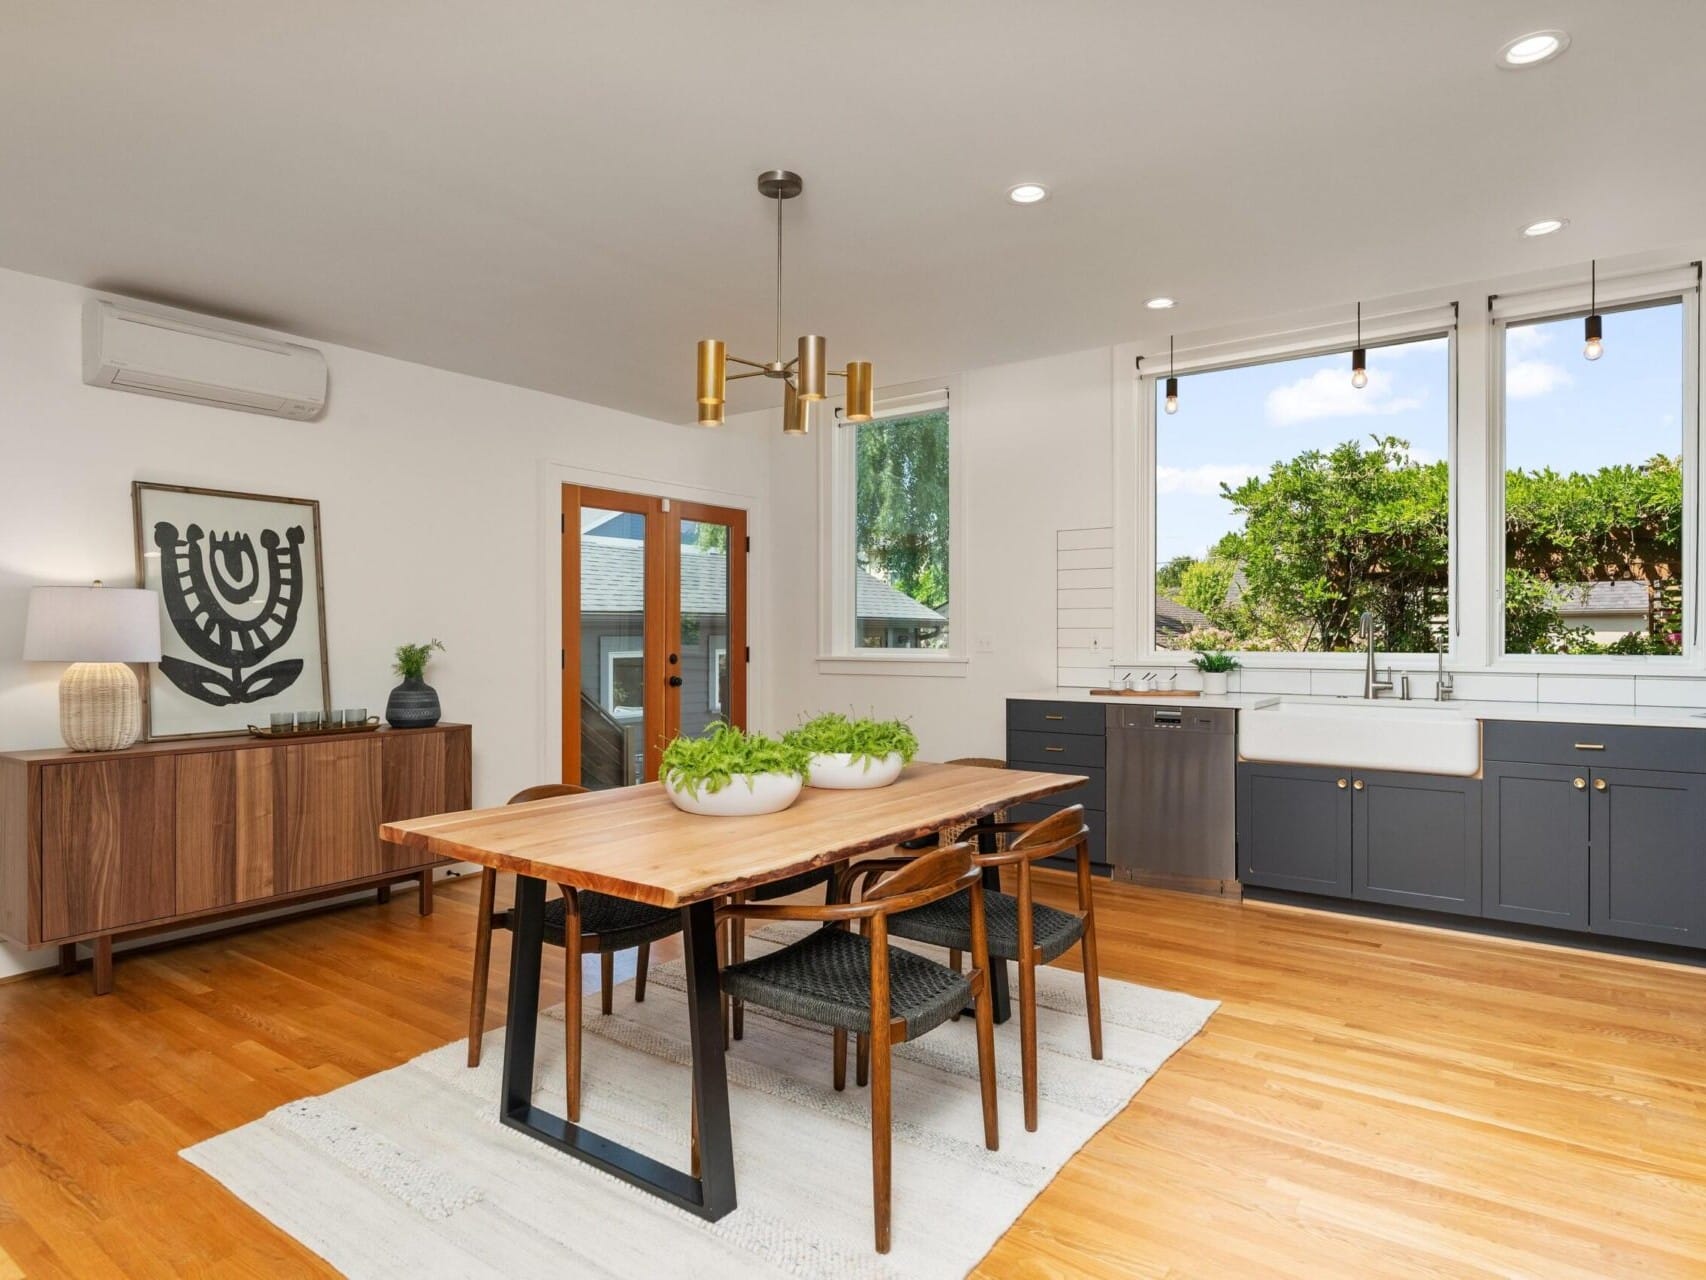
x=100, y=844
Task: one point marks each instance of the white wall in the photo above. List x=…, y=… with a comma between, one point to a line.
x=430, y=487
x=1036, y=440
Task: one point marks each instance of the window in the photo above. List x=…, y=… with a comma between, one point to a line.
x=901, y=518
x=719, y=680
x=624, y=683
x=1288, y=501
x=1594, y=484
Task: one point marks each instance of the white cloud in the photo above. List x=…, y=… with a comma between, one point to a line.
x=1203, y=480
x=1328, y=393
x=1526, y=379
x=1525, y=339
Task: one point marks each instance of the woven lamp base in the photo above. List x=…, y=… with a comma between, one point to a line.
x=100, y=706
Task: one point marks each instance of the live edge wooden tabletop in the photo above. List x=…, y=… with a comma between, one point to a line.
x=634, y=843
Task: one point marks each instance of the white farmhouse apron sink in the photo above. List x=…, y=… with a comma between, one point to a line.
x=1399, y=736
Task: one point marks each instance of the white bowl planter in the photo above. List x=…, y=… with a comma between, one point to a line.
x=745, y=795
x=1214, y=682
x=840, y=771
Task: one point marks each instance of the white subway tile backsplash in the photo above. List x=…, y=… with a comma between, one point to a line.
x=1336, y=684
x=1069, y=677
x=1670, y=691
x=1270, y=680
x=1077, y=539
x=1493, y=686
x=1602, y=690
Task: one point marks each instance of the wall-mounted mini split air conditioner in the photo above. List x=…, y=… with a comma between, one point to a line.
x=157, y=353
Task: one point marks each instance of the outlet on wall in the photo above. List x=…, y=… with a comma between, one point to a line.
x=986, y=644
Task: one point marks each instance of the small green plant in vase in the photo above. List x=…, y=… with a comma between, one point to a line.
x=1215, y=665
x=414, y=703
x=729, y=773
x=851, y=754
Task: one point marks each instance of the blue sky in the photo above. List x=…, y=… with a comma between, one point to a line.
x=1563, y=411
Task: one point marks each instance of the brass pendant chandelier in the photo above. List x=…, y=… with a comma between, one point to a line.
x=804, y=377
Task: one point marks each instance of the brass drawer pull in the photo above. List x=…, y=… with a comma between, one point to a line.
x=1590, y=746
x=1580, y=784
x=1599, y=784
x=1051, y=715
x=1357, y=785
x=1054, y=748
x=1343, y=783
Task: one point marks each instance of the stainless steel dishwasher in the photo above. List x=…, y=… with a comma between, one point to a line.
x=1172, y=784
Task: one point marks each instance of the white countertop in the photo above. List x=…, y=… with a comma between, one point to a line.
x=1556, y=712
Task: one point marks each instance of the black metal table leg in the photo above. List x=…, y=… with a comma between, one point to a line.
x=710, y=1195
x=999, y=1002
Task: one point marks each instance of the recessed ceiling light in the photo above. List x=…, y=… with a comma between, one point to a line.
x=1533, y=49
x=1158, y=304
x=1027, y=193
x=1545, y=227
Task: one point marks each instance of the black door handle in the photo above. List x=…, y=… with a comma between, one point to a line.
x=675, y=682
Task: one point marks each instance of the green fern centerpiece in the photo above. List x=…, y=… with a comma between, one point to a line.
x=853, y=753
x=699, y=773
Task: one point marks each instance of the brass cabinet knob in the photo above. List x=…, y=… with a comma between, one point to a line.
x=1599, y=784
x=1357, y=784
x=1578, y=783
x=1343, y=783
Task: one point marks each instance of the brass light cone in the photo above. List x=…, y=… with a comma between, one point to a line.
x=810, y=370
x=711, y=415
x=713, y=373
x=859, y=391
x=796, y=412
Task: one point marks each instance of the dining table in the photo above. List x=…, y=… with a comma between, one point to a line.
x=634, y=843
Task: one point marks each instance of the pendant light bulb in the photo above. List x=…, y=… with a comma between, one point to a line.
x=1359, y=357
x=1593, y=331
x=1172, y=403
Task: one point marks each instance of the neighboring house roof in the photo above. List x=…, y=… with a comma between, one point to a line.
x=1176, y=619
x=613, y=574
x=1602, y=597
x=1237, y=587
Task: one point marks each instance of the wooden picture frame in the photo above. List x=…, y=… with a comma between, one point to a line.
x=236, y=644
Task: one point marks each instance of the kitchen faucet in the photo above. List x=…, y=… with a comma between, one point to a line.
x=1444, y=684
x=1371, y=688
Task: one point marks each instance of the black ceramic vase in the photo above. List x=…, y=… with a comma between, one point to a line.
x=412, y=705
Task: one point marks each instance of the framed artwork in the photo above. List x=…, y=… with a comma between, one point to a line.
x=242, y=607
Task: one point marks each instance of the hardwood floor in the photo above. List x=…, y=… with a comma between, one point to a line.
x=1370, y=1100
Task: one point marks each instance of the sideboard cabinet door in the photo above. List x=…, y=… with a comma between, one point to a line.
x=331, y=798
x=107, y=836
x=227, y=828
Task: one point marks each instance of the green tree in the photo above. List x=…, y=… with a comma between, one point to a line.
x=1169, y=575
x=1203, y=586
x=901, y=507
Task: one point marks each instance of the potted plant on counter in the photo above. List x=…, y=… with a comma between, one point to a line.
x=728, y=773
x=853, y=754
x=1215, y=665
x=414, y=703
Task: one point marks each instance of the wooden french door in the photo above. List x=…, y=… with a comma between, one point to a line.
x=654, y=628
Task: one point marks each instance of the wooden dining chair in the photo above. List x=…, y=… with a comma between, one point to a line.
x=1022, y=929
x=581, y=922
x=734, y=1026
x=858, y=983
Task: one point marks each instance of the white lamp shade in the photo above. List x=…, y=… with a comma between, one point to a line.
x=92, y=624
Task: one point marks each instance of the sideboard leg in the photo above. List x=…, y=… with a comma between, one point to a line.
x=103, y=972
x=67, y=958
x=384, y=894
x=425, y=878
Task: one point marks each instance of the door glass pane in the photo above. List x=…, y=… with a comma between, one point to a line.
x=613, y=650
x=704, y=640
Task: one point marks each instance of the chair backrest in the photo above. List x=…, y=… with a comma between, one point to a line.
x=1053, y=835
x=926, y=878
x=546, y=791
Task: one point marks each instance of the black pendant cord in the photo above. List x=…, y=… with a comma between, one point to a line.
x=1593, y=285
x=1359, y=326
x=1169, y=355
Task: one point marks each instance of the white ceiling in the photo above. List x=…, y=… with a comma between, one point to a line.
x=560, y=194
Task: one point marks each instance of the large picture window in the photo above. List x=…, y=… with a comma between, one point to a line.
x=901, y=531
x=1593, y=485
x=1288, y=501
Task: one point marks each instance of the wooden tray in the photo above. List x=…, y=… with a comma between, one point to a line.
x=1146, y=693
x=324, y=731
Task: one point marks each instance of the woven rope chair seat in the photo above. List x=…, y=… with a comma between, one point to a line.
x=620, y=923
x=826, y=978
x=947, y=923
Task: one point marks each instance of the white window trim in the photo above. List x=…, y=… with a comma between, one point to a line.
x=837, y=654
x=607, y=679
x=1135, y=462
x=715, y=697
x=1563, y=304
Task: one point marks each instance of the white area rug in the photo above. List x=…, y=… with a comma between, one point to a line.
x=409, y=1174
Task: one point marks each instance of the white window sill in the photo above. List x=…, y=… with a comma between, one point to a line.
x=893, y=662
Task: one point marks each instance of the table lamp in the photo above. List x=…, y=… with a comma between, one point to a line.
x=98, y=630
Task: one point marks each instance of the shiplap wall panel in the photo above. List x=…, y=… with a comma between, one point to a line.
x=1084, y=606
